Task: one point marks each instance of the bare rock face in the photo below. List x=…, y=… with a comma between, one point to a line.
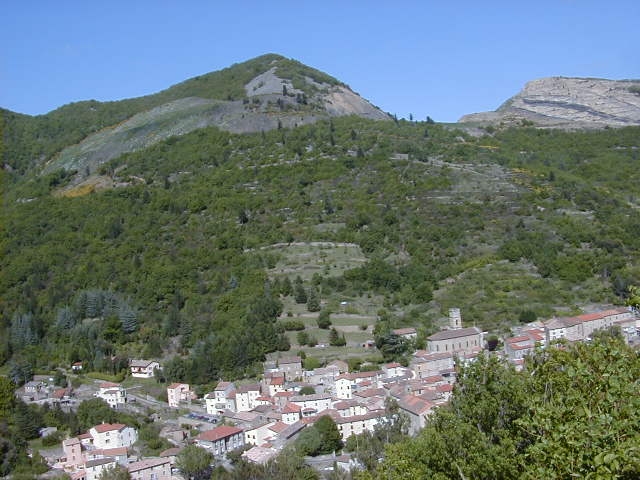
x=570, y=103
x=342, y=101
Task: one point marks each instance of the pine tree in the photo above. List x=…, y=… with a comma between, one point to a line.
x=286, y=288
x=313, y=300
x=299, y=291
x=127, y=316
x=324, y=319
x=65, y=319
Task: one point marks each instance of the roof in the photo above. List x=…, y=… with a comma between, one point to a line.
x=287, y=360
x=340, y=364
x=260, y=454
x=141, y=363
x=223, y=385
x=109, y=385
x=254, y=387
x=458, y=333
x=404, y=331
x=109, y=427
x=99, y=461
x=59, y=393
x=372, y=392
x=173, y=386
x=433, y=379
x=219, y=433
x=170, y=452
x=344, y=404
x=310, y=398
x=146, y=463
x=415, y=405
x=359, y=418
x=283, y=394
x=278, y=427
x=70, y=441
x=291, y=408
x=108, y=452
x=423, y=355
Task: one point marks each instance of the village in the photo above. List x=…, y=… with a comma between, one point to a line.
x=261, y=417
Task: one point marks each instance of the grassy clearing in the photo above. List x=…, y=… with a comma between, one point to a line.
x=324, y=258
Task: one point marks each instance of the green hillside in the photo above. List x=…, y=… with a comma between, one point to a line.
x=172, y=261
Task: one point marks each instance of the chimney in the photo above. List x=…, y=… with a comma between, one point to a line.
x=455, y=320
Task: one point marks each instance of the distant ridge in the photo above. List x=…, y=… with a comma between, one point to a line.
x=570, y=103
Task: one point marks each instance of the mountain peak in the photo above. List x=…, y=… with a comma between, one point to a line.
x=570, y=102
x=264, y=93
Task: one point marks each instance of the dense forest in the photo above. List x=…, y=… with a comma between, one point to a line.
x=513, y=224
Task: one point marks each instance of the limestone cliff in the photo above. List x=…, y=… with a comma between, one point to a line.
x=569, y=103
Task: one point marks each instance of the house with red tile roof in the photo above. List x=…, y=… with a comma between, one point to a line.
x=291, y=413
x=221, y=440
x=417, y=409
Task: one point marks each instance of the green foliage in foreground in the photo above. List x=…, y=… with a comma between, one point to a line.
x=288, y=465
x=571, y=413
x=194, y=462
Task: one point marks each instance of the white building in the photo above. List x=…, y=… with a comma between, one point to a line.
x=246, y=396
x=258, y=434
x=217, y=401
x=143, y=368
x=112, y=393
x=357, y=424
x=113, y=435
x=312, y=405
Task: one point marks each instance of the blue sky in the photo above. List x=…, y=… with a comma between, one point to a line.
x=436, y=58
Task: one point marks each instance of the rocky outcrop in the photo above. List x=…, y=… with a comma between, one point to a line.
x=569, y=103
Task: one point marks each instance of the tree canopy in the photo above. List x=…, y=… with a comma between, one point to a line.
x=571, y=413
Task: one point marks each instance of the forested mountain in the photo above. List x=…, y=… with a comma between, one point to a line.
x=162, y=249
x=259, y=94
